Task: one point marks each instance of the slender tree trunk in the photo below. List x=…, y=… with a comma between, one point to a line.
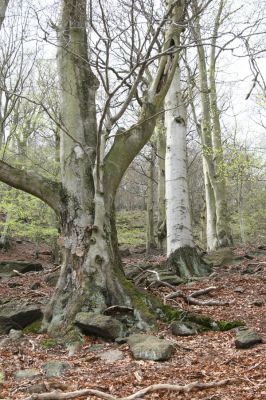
x=161, y=150
x=241, y=213
x=211, y=143
x=181, y=251
x=150, y=236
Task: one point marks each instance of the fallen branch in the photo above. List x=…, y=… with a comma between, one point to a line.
x=191, y=298
x=201, y=292
x=153, y=388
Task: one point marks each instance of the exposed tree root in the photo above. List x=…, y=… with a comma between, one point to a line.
x=191, y=298
x=153, y=388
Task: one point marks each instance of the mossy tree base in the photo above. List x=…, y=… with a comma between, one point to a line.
x=186, y=263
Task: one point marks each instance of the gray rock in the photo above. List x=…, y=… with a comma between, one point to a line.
x=258, y=303
x=147, y=347
x=55, y=368
x=121, y=340
x=96, y=347
x=29, y=373
x=124, y=251
x=246, y=338
x=99, y=325
x=17, y=316
x=239, y=289
x=35, y=285
x=51, y=279
x=15, y=334
x=112, y=355
x=183, y=329
x=7, y=267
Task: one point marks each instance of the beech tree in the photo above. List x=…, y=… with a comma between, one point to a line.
x=218, y=226
x=91, y=277
x=181, y=250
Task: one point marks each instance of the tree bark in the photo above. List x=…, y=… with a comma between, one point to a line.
x=150, y=236
x=161, y=150
x=181, y=251
x=91, y=277
x=211, y=143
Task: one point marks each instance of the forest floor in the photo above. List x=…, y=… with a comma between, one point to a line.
x=206, y=357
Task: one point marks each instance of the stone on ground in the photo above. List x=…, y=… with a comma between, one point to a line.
x=111, y=355
x=14, y=315
x=15, y=334
x=7, y=268
x=29, y=373
x=99, y=325
x=246, y=338
x=55, y=368
x=184, y=329
x=147, y=347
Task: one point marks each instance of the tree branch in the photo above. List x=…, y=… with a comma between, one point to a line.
x=149, y=389
x=38, y=186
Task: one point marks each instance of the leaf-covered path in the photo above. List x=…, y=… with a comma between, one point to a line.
x=206, y=357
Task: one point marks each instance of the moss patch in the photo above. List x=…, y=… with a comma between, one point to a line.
x=228, y=325
x=35, y=327
x=48, y=343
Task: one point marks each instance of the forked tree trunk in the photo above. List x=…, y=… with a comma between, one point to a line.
x=91, y=277
x=181, y=251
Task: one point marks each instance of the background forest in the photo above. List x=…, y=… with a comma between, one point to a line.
x=132, y=199
x=30, y=127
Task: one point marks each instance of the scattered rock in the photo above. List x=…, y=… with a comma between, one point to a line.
x=17, y=316
x=124, y=251
x=13, y=285
x=35, y=285
x=15, y=334
x=121, y=340
x=7, y=267
x=99, y=325
x=51, y=279
x=184, y=329
x=55, y=368
x=258, y=303
x=246, y=338
x=147, y=347
x=96, y=347
x=111, y=355
x=221, y=257
x=239, y=289
x=30, y=373
x=36, y=388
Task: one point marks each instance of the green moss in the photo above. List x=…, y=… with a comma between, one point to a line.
x=142, y=302
x=227, y=325
x=48, y=343
x=35, y=327
x=170, y=313
x=203, y=320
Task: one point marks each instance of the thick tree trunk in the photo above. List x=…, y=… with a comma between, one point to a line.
x=91, y=277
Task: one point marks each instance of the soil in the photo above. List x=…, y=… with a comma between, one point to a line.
x=206, y=357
